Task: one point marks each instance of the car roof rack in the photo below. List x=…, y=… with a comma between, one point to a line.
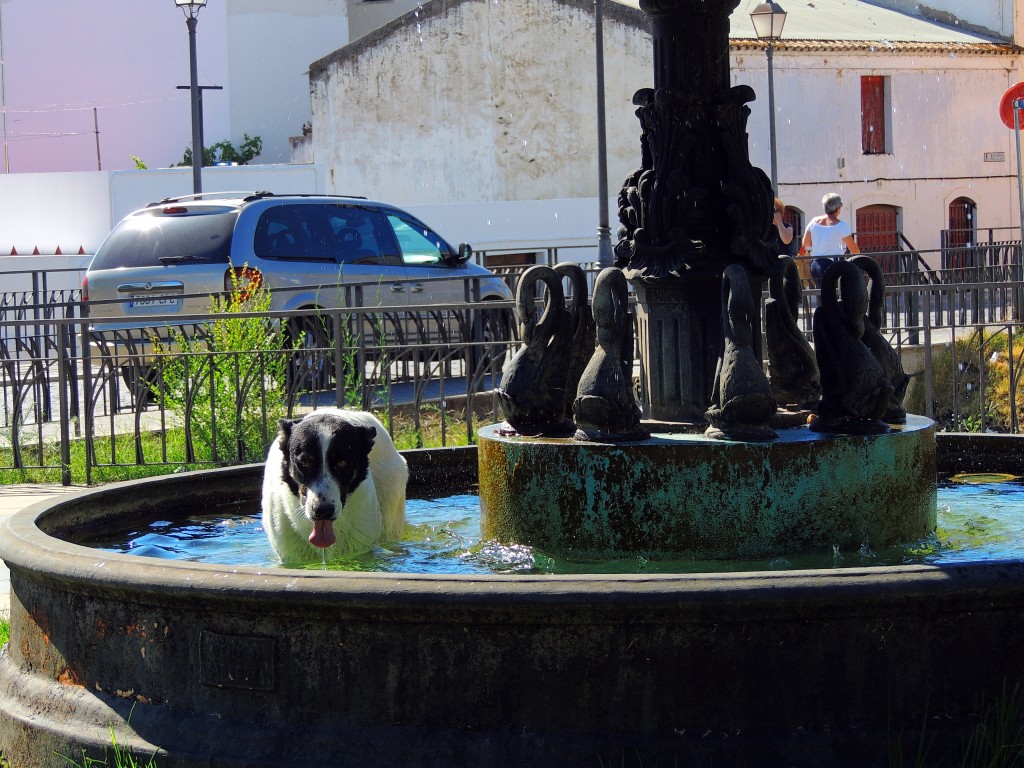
x=310, y=194
x=245, y=195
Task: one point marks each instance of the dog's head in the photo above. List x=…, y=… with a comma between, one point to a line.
x=324, y=459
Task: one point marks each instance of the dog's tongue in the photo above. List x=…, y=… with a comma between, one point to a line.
x=323, y=534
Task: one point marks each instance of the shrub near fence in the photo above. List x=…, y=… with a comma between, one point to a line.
x=230, y=382
x=80, y=409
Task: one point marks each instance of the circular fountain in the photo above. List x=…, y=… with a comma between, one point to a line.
x=211, y=665
x=208, y=665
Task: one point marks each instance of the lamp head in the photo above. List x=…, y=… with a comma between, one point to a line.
x=768, y=19
x=190, y=8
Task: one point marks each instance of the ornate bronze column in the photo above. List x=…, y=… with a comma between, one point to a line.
x=694, y=206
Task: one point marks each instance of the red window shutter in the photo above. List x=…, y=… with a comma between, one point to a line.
x=872, y=114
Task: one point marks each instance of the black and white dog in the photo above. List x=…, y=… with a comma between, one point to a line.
x=333, y=481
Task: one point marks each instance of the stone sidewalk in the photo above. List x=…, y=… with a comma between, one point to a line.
x=14, y=498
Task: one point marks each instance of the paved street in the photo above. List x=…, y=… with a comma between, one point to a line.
x=14, y=498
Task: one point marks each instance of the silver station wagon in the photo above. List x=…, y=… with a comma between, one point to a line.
x=312, y=251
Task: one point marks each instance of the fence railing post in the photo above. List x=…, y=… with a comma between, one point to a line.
x=64, y=380
x=929, y=402
x=90, y=401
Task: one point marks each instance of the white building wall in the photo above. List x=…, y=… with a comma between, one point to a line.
x=47, y=211
x=944, y=121
x=481, y=102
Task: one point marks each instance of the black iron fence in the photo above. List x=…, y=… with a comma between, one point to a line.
x=144, y=398
x=186, y=395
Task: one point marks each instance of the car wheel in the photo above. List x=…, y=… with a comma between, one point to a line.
x=143, y=382
x=310, y=354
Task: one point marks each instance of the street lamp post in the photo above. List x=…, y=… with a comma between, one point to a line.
x=605, y=254
x=769, y=19
x=202, y=135
x=191, y=10
x=3, y=92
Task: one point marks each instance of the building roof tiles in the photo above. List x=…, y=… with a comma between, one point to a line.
x=857, y=26
x=885, y=46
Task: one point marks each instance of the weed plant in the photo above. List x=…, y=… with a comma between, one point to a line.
x=229, y=385
x=995, y=741
x=998, y=739
x=975, y=382
x=121, y=757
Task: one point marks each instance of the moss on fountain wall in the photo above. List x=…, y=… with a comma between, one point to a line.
x=687, y=495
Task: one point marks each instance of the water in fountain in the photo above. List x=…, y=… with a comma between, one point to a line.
x=978, y=519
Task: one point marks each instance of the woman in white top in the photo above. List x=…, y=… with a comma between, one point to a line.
x=827, y=238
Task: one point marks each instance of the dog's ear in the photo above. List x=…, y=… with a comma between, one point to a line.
x=284, y=432
x=371, y=434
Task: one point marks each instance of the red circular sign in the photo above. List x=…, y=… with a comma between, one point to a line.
x=1013, y=93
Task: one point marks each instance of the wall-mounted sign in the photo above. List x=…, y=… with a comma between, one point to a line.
x=995, y=157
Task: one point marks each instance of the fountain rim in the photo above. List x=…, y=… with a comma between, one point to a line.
x=26, y=547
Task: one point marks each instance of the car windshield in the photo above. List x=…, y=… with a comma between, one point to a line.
x=153, y=238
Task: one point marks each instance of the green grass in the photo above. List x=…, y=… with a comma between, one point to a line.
x=121, y=454
x=164, y=453
x=121, y=757
x=995, y=741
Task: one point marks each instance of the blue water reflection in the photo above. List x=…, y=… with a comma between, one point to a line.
x=976, y=521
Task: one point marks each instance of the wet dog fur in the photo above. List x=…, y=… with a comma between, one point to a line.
x=333, y=481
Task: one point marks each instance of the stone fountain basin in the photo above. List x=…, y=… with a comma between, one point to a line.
x=211, y=666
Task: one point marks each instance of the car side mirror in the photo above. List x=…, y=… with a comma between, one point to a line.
x=465, y=252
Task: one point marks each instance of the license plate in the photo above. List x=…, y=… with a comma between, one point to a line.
x=145, y=302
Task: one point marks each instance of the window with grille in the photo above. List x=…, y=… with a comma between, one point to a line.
x=874, y=114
